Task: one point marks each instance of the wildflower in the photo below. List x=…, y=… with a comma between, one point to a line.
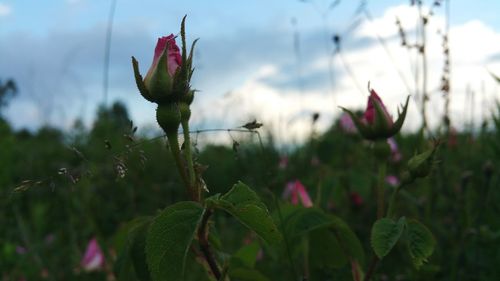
x=376, y=122
x=392, y=180
x=93, y=258
x=295, y=190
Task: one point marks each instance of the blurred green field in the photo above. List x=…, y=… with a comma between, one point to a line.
x=59, y=189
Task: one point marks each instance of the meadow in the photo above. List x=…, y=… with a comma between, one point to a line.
x=362, y=200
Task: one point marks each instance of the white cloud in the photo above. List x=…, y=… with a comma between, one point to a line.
x=471, y=44
x=5, y=9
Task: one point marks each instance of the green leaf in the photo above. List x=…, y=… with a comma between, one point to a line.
x=131, y=262
x=420, y=242
x=244, y=204
x=325, y=250
x=169, y=238
x=299, y=221
x=247, y=254
x=385, y=233
x=137, y=250
x=246, y=274
x=348, y=239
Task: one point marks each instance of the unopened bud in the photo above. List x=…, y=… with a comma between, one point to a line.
x=421, y=164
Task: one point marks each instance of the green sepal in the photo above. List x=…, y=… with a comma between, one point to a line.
x=161, y=83
x=396, y=127
x=140, y=82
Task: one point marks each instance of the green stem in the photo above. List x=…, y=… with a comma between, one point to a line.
x=305, y=242
x=189, y=158
x=380, y=189
x=392, y=202
x=173, y=142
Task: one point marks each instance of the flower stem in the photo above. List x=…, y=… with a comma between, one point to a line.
x=195, y=191
x=173, y=142
x=380, y=189
x=392, y=202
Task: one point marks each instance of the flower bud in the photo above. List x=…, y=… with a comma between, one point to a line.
x=157, y=86
x=420, y=165
x=168, y=78
x=377, y=123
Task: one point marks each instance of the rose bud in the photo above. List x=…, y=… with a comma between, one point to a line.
x=420, y=165
x=295, y=190
x=167, y=82
x=376, y=122
x=168, y=78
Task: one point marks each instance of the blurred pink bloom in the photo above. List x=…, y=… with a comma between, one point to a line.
x=395, y=154
x=93, y=259
x=21, y=250
x=295, y=190
x=346, y=123
x=283, y=162
x=392, y=180
x=356, y=199
x=370, y=111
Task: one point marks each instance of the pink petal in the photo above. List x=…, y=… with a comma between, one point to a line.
x=174, y=59
x=370, y=111
x=94, y=258
x=392, y=180
x=346, y=123
x=304, y=196
x=395, y=154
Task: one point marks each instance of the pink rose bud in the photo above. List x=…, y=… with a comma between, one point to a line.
x=93, y=259
x=295, y=190
x=174, y=59
x=304, y=196
x=370, y=114
x=376, y=122
x=167, y=59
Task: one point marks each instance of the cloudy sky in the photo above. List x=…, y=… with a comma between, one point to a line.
x=272, y=60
